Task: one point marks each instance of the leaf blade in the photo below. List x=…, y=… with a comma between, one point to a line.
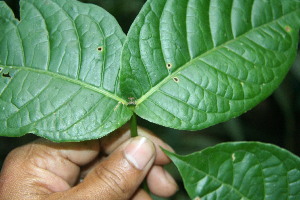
x=247, y=170
x=225, y=69
x=64, y=86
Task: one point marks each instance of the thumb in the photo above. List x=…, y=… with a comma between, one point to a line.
x=119, y=176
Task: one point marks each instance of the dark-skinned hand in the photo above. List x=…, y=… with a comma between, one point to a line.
x=111, y=168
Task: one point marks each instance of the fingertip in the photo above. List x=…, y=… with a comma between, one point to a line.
x=80, y=153
x=112, y=141
x=161, y=157
x=139, y=152
x=141, y=195
x=161, y=183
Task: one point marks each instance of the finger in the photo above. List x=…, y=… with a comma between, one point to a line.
x=160, y=182
x=44, y=167
x=161, y=157
x=112, y=141
x=117, y=177
x=62, y=157
x=141, y=195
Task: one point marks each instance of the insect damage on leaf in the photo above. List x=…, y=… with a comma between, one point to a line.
x=6, y=75
x=288, y=29
x=176, y=79
x=100, y=49
x=169, y=65
x=131, y=101
x=67, y=63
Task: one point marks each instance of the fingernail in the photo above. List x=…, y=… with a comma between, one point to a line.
x=139, y=152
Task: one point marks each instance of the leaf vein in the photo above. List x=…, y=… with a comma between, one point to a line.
x=165, y=80
x=86, y=114
x=68, y=79
x=55, y=110
x=104, y=121
x=174, y=116
x=183, y=102
x=48, y=36
x=28, y=102
x=214, y=178
x=77, y=35
x=7, y=84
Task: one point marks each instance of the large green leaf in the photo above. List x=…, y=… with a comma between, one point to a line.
x=234, y=171
x=189, y=64
x=59, y=71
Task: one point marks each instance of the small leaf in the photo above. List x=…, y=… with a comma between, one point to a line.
x=59, y=71
x=190, y=64
x=242, y=170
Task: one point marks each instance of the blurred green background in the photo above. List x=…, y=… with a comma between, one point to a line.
x=276, y=120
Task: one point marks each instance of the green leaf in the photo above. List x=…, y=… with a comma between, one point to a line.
x=59, y=71
x=242, y=170
x=189, y=64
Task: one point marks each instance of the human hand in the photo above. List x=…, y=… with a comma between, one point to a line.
x=43, y=170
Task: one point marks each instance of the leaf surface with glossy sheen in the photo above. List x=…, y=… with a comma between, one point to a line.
x=235, y=171
x=189, y=64
x=59, y=71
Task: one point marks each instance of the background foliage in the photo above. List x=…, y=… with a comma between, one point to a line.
x=276, y=120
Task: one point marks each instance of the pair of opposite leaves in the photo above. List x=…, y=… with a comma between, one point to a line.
x=68, y=72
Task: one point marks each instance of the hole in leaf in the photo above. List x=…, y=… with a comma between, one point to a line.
x=7, y=75
x=197, y=198
x=169, y=65
x=100, y=49
x=1, y=69
x=176, y=79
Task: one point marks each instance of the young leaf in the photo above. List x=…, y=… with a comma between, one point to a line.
x=190, y=64
x=59, y=70
x=242, y=170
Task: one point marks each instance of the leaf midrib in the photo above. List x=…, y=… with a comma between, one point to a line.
x=70, y=80
x=169, y=77
x=213, y=177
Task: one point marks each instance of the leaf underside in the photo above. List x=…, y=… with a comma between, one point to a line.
x=190, y=64
x=59, y=70
x=186, y=64
x=243, y=170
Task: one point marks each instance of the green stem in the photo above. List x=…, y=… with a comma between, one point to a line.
x=134, y=133
x=133, y=126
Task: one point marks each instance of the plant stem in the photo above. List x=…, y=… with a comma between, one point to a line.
x=134, y=133
x=133, y=126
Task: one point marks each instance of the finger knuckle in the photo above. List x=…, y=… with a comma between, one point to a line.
x=113, y=179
